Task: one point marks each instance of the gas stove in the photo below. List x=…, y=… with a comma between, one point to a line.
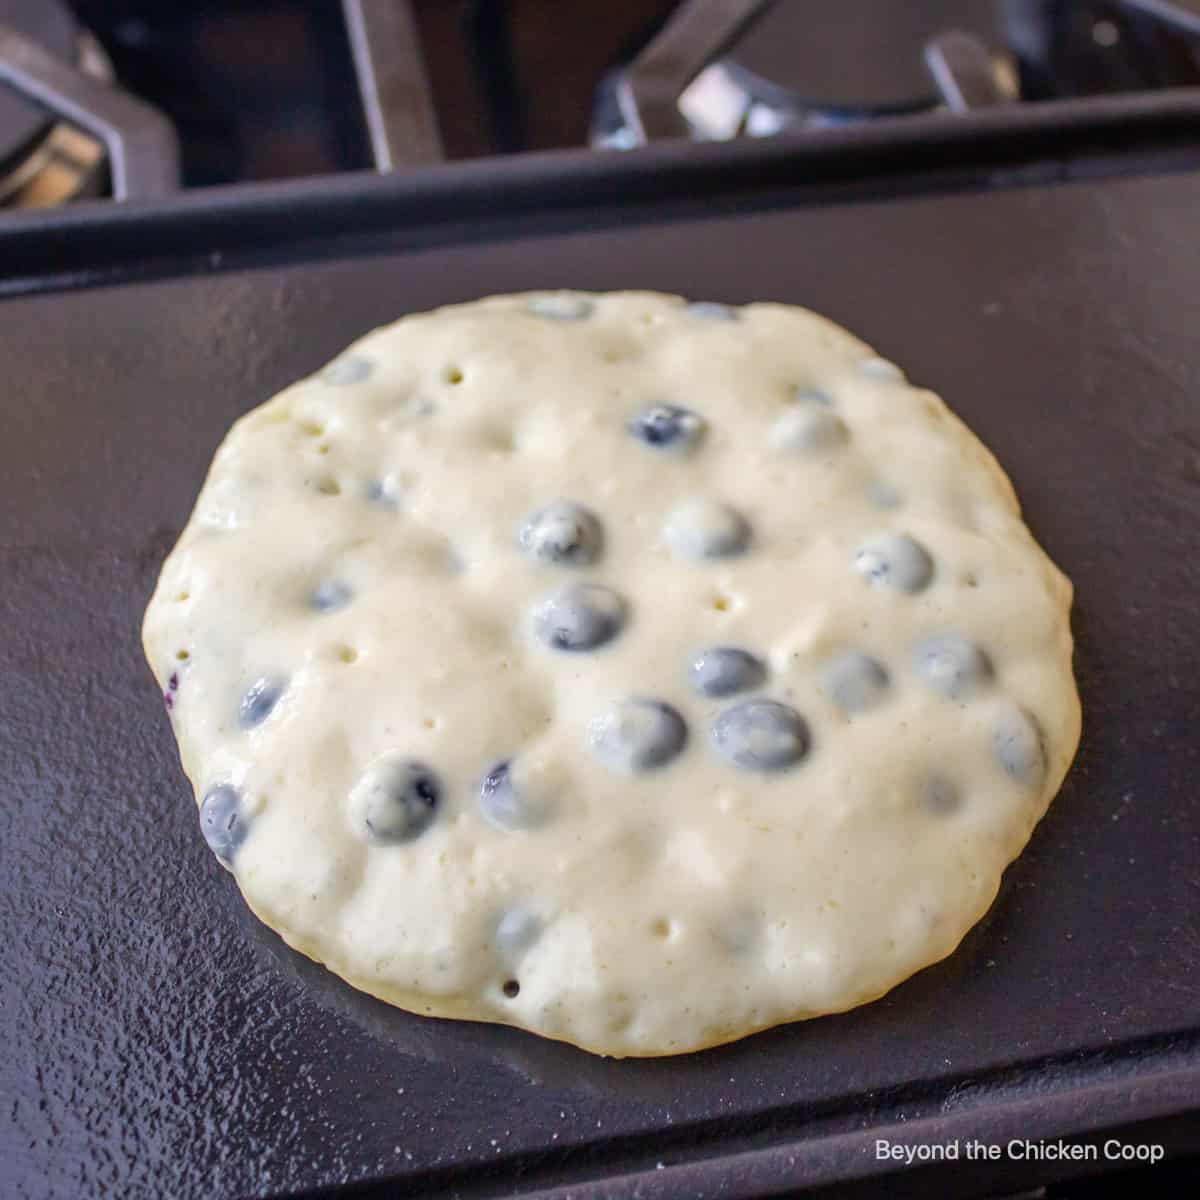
x=134, y=98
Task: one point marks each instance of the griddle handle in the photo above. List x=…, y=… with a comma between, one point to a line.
x=963, y=71
x=143, y=152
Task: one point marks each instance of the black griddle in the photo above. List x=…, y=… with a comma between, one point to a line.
x=158, y=1041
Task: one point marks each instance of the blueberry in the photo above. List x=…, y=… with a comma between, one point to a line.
x=724, y=670
x=761, y=735
x=349, y=369
x=222, y=821
x=260, y=698
x=1017, y=745
x=561, y=307
x=563, y=533
x=952, y=665
x=895, y=560
x=580, y=617
x=883, y=495
x=739, y=930
x=638, y=735
x=384, y=491
x=810, y=396
x=856, y=682
x=508, y=806
x=706, y=529
x=330, y=595
x=940, y=796
x=516, y=931
x=880, y=368
x=668, y=427
x=807, y=429
x=709, y=310
x=395, y=800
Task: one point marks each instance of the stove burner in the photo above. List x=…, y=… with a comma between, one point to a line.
x=868, y=61
x=50, y=24
x=98, y=124
x=723, y=68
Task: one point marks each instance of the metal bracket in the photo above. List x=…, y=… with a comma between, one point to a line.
x=143, y=152
x=697, y=32
x=393, y=83
x=964, y=73
x=1183, y=15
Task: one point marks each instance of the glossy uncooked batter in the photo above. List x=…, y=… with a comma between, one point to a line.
x=639, y=673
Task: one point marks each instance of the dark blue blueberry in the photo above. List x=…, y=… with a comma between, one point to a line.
x=349, y=369
x=396, y=800
x=710, y=310
x=724, y=670
x=1017, y=744
x=508, y=806
x=562, y=306
x=330, y=595
x=668, y=427
x=260, y=698
x=516, y=931
x=222, y=821
x=638, y=735
x=761, y=735
x=856, y=682
x=580, y=617
x=701, y=528
x=563, y=533
x=952, y=665
x=895, y=560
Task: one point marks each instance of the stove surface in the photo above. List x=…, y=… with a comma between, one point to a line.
x=269, y=89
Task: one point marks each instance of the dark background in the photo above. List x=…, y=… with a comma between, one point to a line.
x=265, y=88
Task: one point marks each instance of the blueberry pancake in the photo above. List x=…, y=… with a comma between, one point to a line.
x=636, y=672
